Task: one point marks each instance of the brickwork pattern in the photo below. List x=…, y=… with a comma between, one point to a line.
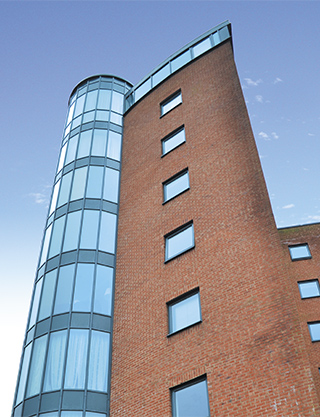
x=249, y=343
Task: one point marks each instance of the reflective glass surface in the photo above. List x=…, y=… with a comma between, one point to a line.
x=46, y=244
x=173, y=141
x=91, y=100
x=64, y=189
x=114, y=146
x=71, y=236
x=79, y=183
x=171, y=103
x=117, y=102
x=201, y=47
x=99, y=361
x=314, y=329
x=79, y=106
x=104, y=100
x=84, y=144
x=309, y=289
x=24, y=373
x=89, y=231
x=103, y=290
x=181, y=60
x=184, y=313
x=57, y=235
x=299, y=252
x=176, y=186
x=179, y=242
x=111, y=185
x=160, y=75
x=76, y=359
x=54, y=197
x=99, y=142
x=47, y=294
x=72, y=148
x=36, y=366
x=83, y=288
x=107, y=232
x=64, y=289
x=35, y=303
x=62, y=156
x=95, y=179
x=55, y=361
x=191, y=401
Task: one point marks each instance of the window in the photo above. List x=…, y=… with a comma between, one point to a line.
x=314, y=329
x=176, y=185
x=191, y=399
x=171, y=102
x=179, y=241
x=299, y=252
x=309, y=289
x=173, y=140
x=184, y=311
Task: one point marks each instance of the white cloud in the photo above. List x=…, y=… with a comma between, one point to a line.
x=288, y=206
x=252, y=83
x=311, y=134
x=274, y=135
x=39, y=198
x=316, y=218
x=263, y=135
x=277, y=80
x=306, y=169
x=259, y=99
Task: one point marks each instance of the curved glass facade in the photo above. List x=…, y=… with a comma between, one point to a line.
x=65, y=366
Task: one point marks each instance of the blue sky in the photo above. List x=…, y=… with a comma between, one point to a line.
x=48, y=47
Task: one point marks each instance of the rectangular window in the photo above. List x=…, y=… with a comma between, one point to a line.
x=173, y=140
x=314, y=329
x=176, y=185
x=299, y=252
x=191, y=399
x=184, y=311
x=171, y=102
x=179, y=241
x=309, y=289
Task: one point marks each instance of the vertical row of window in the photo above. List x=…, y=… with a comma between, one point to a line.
x=190, y=398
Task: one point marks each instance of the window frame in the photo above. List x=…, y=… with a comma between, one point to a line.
x=168, y=100
x=306, y=282
x=302, y=257
x=171, y=180
x=177, y=300
x=184, y=385
x=309, y=327
x=170, y=136
x=176, y=232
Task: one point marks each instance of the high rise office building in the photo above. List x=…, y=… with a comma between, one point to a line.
x=164, y=287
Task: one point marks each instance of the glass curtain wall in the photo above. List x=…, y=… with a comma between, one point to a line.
x=66, y=359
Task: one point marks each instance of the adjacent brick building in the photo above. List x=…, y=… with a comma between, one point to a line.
x=195, y=301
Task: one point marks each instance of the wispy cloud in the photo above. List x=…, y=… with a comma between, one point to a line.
x=39, y=198
x=274, y=135
x=263, y=135
x=288, y=206
x=316, y=218
x=277, y=80
x=311, y=134
x=252, y=83
x=259, y=99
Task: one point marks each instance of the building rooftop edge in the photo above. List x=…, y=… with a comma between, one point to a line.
x=298, y=225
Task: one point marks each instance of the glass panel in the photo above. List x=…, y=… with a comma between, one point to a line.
x=309, y=289
x=107, y=232
x=104, y=99
x=173, y=141
x=67, y=130
x=224, y=33
x=72, y=147
x=79, y=106
x=72, y=231
x=192, y=401
x=176, y=186
x=216, y=38
x=102, y=115
x=36, y=366
x=143, y=89
x=103, y=290
x=54, y=197
x=83, y=288
x=24, y=373
x=84, y=144
x=299, y=252
x=46, y=244
x=179, y=242
x=79, y=183
x=314, y=329
x=35, y=303
x=88, y=117
x=71, y=414
x=90, y=227
x=114, y=146
x=55, y=361
x=62, y=156
x=111, y=185
x=99, y=142
x=47, y=294
x=160, y=75
x=184, y=313
x=76, y=359
x=91, y=100
x=65, y=189
x=169, y=105
x=70, y=114
x=90, y=414
x=98, y=362
x=64, y=289
x=57, y=235
x=53, y=414
x=180, y=60
x=95, y=178
x=201, y=47
x=116, y=118
x=117, y=102
x=76, y=122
